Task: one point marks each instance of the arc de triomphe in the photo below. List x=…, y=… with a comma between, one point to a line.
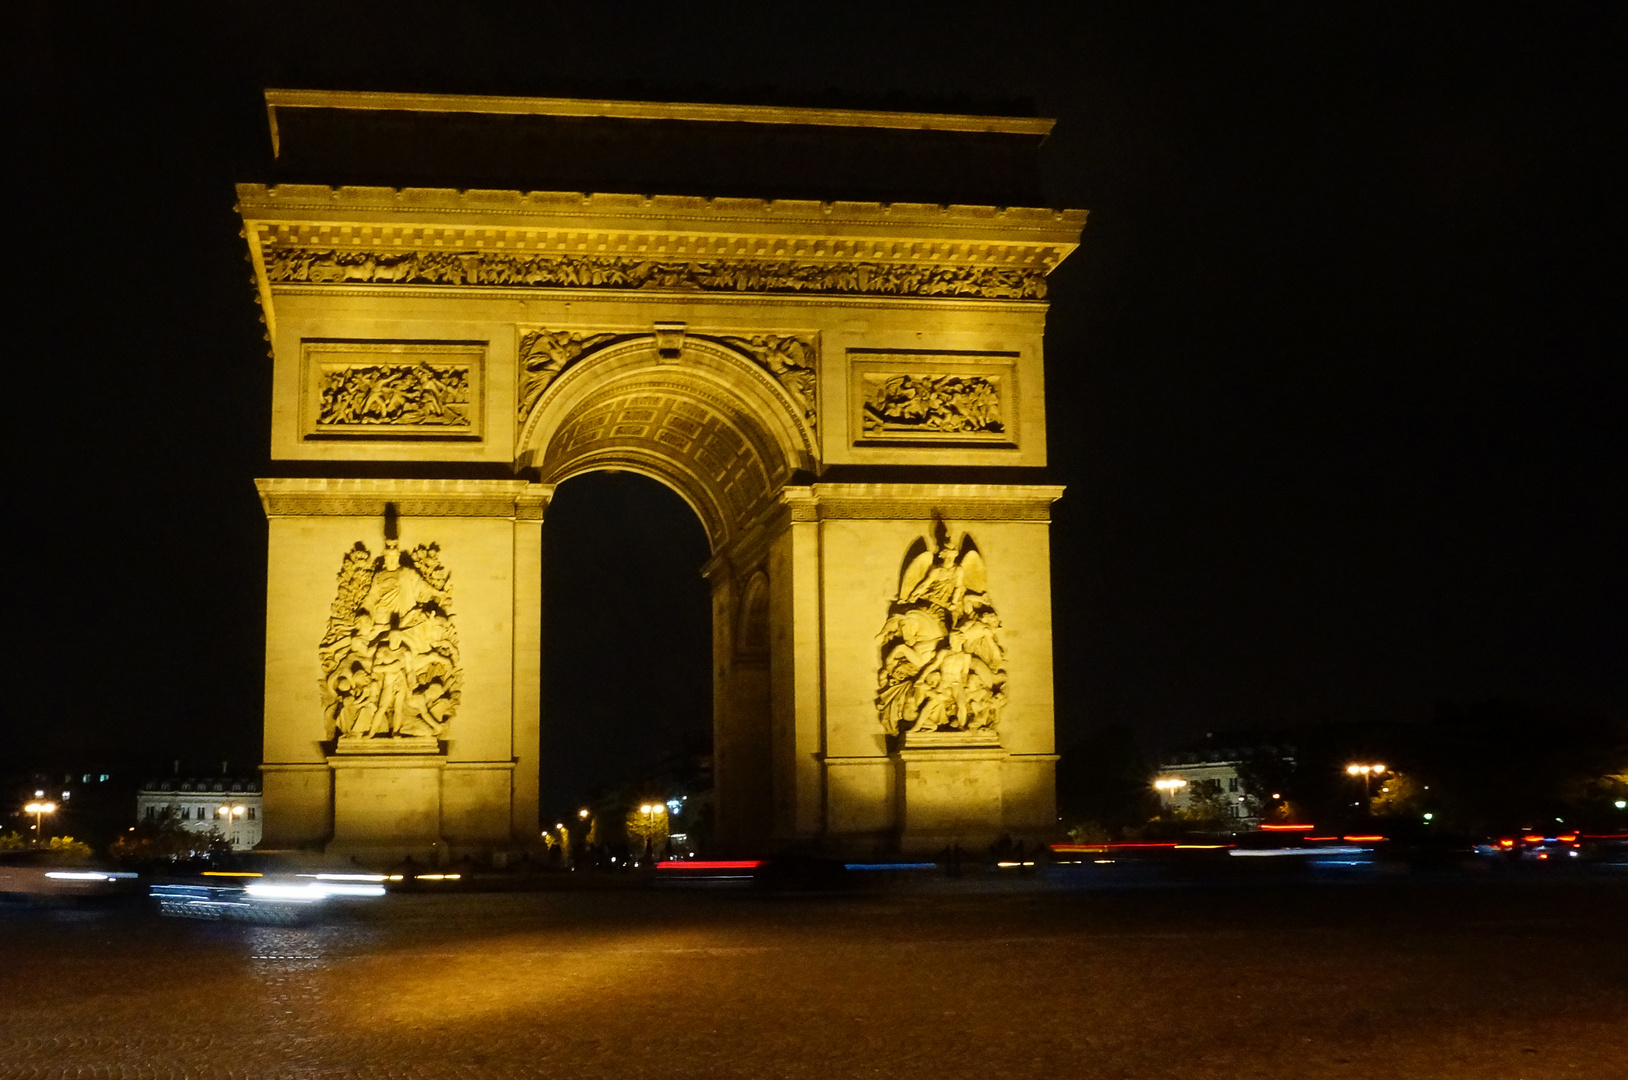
x=850, y=394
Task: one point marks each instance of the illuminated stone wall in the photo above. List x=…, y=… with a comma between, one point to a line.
x=828, y=385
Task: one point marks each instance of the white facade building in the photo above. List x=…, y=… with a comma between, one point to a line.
x=229, y=805
x=1218, y=773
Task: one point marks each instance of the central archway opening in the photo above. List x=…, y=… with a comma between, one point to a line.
x=627, y=690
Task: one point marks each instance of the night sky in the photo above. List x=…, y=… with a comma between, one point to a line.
x=1335, y=381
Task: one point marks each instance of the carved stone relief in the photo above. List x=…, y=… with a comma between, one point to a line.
x=544, y=354
x=793, y=363
x=392, y=390
x=401, y=395
x=943, y=665
x=932, y=405
x=328, y=266
x=390, y=663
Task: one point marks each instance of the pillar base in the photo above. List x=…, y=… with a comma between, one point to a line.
x=387, y=803
x=949, y=790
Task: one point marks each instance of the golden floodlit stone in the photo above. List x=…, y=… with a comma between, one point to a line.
x=848, y=394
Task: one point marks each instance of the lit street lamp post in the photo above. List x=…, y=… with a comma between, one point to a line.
x=1364, y=771
x=39, y=810
x=229, y=812
x=650, y=810
x=1168, y=787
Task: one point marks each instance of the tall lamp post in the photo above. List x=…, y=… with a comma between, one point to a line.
x=1168, y=787
x=39, y=810
x=650, y=810
x=229, y=812
x=1365, y=771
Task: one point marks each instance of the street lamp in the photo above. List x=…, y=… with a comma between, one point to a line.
x=583, y=813
x=39, y=810
x=1169, y=786
x=1364, y=771
x=650, y=810
x=229, y=812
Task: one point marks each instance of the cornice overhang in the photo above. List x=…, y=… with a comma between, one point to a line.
x=301, y=235
x=384, y=101
x=333, y=497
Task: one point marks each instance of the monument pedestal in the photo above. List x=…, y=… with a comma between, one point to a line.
x=387, y=799
x=949, y=789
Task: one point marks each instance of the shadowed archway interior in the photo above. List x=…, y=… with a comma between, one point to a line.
x=627, y=628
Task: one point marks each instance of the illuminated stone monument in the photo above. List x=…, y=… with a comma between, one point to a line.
x=850, y=394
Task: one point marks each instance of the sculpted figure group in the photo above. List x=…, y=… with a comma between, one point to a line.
x=953, y=404
x=791, y=361
x=943, y=663
x=544, y=354
x=394, y=394
x=328, y=266
x=390, y=664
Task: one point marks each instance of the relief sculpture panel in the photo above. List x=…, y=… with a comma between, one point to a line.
x=791, y=360
x=386, y=390
x=943, y=664
x=299, y=265
x=932, y=405
x=390, y=661
x=544, y=355
x=930, y=399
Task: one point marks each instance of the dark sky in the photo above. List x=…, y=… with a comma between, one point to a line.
x=1336, y=380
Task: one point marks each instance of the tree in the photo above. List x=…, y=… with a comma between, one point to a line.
x=162, y=838
x=1206, y=805
x=1399, y=795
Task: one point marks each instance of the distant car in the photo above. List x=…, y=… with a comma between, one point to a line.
x=1534, y=847
x=44, y=874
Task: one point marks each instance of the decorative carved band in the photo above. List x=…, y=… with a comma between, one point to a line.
x=923, y=502
x=840, y=509
x=290, y=497
x=332, y=266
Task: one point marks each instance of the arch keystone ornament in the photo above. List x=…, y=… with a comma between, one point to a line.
x=850, y=395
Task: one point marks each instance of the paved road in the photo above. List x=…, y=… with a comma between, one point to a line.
x=1482, y=979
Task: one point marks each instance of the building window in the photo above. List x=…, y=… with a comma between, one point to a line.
x=1232, y=784
x=152, y=812
x=251, y=813
x=186, y=813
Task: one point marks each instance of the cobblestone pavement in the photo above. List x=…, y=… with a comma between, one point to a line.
x=1483, y=980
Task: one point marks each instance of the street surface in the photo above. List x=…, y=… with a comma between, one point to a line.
x=1440, y=978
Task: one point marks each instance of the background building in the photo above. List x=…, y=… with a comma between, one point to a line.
x=202, y=805
x=1229, y=776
